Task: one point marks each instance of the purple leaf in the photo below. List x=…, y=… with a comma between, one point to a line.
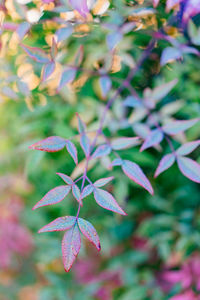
x=131, y=101
x=189, y=168
x=89, y=232
x=81, y=124
x=116, y=162
x=188, y=148
x=67, y=76
x=165, y=163
x=22, y=29
x=154, y=138
x=85, y=144
x=103, y=181
x=76, y=192
x=51, y=144
x=87, y=191
x=113, y=39
x=124, y=143
x=64, y=33
x=107, y=201
x=54, y=196
x=66, y=178
x=36, y=54
x=59, y=224
x=101, y=151
x=105, y=84
x=47, y=70
x=80, y=6
x=71, y=245
x=72, y=151
x=179, y=126
x=170, y=54
x=135, y=173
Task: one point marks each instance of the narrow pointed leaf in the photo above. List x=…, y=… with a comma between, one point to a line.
x=154, y=138
x=105, y=85
x=51, y=144
x=81, y=125
x=165, y=163
x=189, y=168
x=179, y=126
x=22, y=29
x=101, y=151
x=170, y=54
x=54, y=196
x=188, y=148
x=116, y=162
x=48, y=69
x=85, y=144
x=135, y=173
x=163, y=90
x=89, y=232
x=131, y=101
x=59, y=224
x=66, y=178
x=103, y=181
x=80, y=6
x=36, y=54
x=64, y=33
x=72, y=151
x=76, y=192
x=107, y=201
x=67, y=76
x=71, y=245
x=124, y=143
x=87, y=191
x=54, y=49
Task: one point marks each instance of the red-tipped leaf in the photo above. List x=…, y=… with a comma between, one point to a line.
x=51, y=144
x=89, y=232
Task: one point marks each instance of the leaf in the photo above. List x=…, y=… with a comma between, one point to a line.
x=103, y=181
x=66, y=178
x=76, y=192
x=85, y=144
x=189, y=168
x=72, y=151
x=179, y=126
x=36, y=54
x=165, y=163
x=188, y=148
x=135, y=173
x=107, y=201
x=105, y=84
x=113, y=39
x=54, y=196
x=22, y=29
x=154, y=138
x=71, y=245
x=67, y=76
x=80, y=6
x=78, y=58
x=87, y=191
x=81, y=125
x=51, y=144
x=124, y=143
x=170, y=54
x=54, y=49
x=116, y=162
x=89, y=232
x=59, y=224
x=163, y=90
x=131, y=101
x=101, y=151
x=47, y=70
x=64, y=32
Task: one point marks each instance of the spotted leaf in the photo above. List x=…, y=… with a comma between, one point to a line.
x=89, y=232
x=66, y=178
x=59, y=224
x=51, y=144
x=72, y=151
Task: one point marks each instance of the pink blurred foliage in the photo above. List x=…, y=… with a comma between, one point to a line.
x=14, y=237
x=87, y=272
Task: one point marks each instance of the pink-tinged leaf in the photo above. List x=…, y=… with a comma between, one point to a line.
x=36, y=54
x=189, y=168
x=116, y=162
x=64, y=33
x=72, y=151
x=89, y=232
x=179, y=126
x=54, y=196
x=81, y=124
x=124, y=143
x=78, y=58
x=76, y=193
x=47, y=70
x=135, y=173
x=22, y=29
x=131, y=101
x=66, y=178
x=87, y=191
x=67, y=76
x=101, y=151
x=107, y=201
x=54, y=49
x=165, y=163
x=154, y=138
x=113, y=39
x=105, y=85
x=85, y=144
x=51, y=144
x=103, y=181
x=71, y=245
x=59, y=224
x=170, y=54
x=188, y=148
x=80, y=6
